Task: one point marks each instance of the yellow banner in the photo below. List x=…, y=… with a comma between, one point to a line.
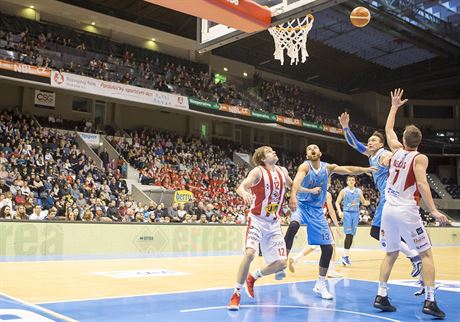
x=182, y=196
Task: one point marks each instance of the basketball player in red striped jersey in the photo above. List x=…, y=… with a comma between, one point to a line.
x=401, y=218
x=264, y=189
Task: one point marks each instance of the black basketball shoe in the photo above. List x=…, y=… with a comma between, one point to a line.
x=431, y=308
x=382, y=303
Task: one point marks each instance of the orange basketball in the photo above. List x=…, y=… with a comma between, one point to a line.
x=360, y=17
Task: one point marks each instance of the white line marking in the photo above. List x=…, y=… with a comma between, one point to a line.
x=164, y=293
x=55, y=314
x=292, y=307
x=188, y=291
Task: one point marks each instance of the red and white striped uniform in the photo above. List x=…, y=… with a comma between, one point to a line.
x=401, y=188
x=268, y=194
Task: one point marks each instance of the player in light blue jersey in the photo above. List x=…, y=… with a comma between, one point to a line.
x=378, y=158
x=349, y=199
x=307, y=207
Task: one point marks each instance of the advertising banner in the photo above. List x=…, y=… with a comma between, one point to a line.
x=91, y=139
x=182, y=196
x=235, y=109
x=45, y=99
x=288, y=120
x=332, y=129
x=197, y=102
x=117, y=90
x=312, y=125
x=25, y=69
x=263, y=115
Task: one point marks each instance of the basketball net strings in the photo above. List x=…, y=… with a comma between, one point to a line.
x=292, y=36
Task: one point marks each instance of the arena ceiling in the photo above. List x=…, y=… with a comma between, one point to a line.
x=394, y=51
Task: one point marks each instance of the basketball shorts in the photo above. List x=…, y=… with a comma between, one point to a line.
x=318, y=230
x=403, y=222
x=297, y=216
x=269, y=236
x=350, y=222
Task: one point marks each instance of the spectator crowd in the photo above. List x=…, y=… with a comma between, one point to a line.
x=45, y=176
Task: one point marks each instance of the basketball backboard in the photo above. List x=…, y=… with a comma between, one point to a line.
x=211, y=35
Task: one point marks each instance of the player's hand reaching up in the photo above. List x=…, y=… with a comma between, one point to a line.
x=440, y=218
x=396, y=97
x=344, y=119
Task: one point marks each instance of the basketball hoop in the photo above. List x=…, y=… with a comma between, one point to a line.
x=292, y=36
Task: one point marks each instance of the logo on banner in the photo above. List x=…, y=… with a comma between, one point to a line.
x=44, y=98
x=58, y=78
x=182, y=196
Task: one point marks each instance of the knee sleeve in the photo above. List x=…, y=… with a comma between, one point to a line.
x=348, y=241
x=290, y=234
x=375, y=232
x=326, y=255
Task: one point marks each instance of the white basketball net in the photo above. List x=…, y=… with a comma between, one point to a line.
x=292, y=36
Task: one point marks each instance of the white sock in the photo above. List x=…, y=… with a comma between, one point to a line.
x=406, y=250
x=346, y=252
x=322, y=279
x=238, y=287
x=429, y=293
x=383, y=289
x=257, y=274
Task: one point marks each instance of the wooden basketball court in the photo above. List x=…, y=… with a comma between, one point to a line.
x=53, y=281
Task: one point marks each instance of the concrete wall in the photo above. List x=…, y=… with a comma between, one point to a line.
x=11, y=95
x=63, y=105
x=129, y=117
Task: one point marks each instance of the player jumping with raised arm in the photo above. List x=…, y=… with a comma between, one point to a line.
x=401, y=217
x=378, y=157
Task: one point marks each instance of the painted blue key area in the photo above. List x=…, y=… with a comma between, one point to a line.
x=285, y=302
x=12, y=310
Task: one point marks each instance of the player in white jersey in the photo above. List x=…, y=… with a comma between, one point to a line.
x=401, y=217
x=263, y=189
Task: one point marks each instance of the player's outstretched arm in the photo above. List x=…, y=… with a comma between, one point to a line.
x=252, y=179
x=396, y=103
x=301, y=173
x=352, y=141
x=349, y=170
x=420, y=166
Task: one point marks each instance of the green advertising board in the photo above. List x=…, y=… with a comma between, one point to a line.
x=197, y=102
x=312, y=125
x=263, y=115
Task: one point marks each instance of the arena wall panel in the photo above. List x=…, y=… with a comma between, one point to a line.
x=35, y=241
